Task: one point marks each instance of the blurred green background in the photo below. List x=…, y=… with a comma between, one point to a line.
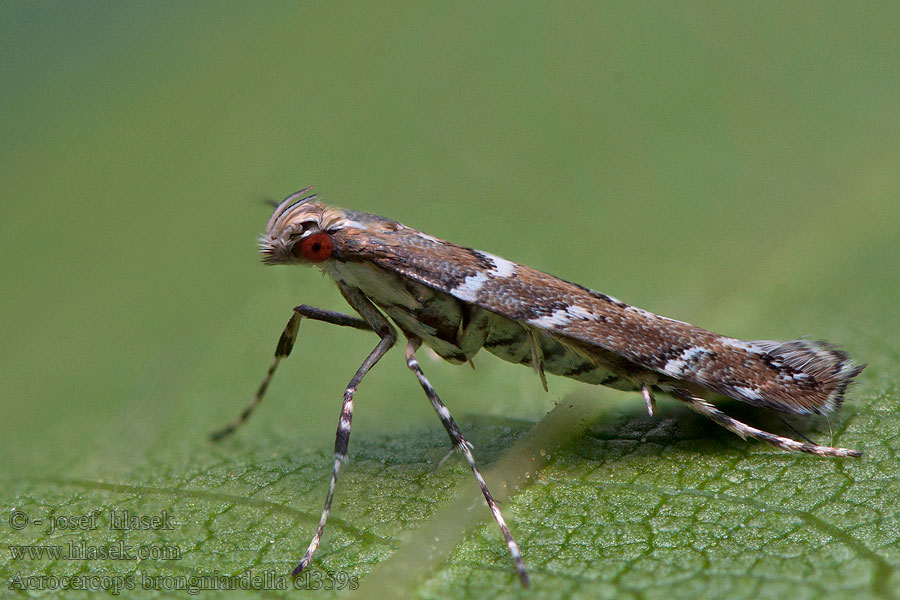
x=734, y=165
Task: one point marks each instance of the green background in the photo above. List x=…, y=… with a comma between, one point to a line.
x=734, y=165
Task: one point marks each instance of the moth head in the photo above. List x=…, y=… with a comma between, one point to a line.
x=297, y=231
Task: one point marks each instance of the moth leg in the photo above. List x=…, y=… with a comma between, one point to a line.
x=794, y=429
x=388, y=335
x=537, y=358
x=285, y=344
x=649, y=400
x=333, y=317
x=463, y=445
x=742, y=429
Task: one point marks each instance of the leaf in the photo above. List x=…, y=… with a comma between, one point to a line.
x=733, y=166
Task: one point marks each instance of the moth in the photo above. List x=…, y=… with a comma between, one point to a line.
x=457, y=300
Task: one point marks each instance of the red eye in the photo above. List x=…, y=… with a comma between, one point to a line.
x=316, y=247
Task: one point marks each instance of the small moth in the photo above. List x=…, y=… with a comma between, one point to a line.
x=457, y=300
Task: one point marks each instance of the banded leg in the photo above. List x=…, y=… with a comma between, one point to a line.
x=463, y=445
x=649, y=400
x=742, y=429
x=285, y=345
x=379, y=323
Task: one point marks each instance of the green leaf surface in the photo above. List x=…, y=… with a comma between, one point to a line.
x=734, y=166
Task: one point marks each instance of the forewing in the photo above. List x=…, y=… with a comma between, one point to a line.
x=528, y=295
x=770, y=374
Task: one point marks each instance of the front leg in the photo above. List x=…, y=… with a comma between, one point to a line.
x=282, y=350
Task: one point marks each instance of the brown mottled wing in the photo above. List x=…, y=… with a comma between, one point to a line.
x=798, y=376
